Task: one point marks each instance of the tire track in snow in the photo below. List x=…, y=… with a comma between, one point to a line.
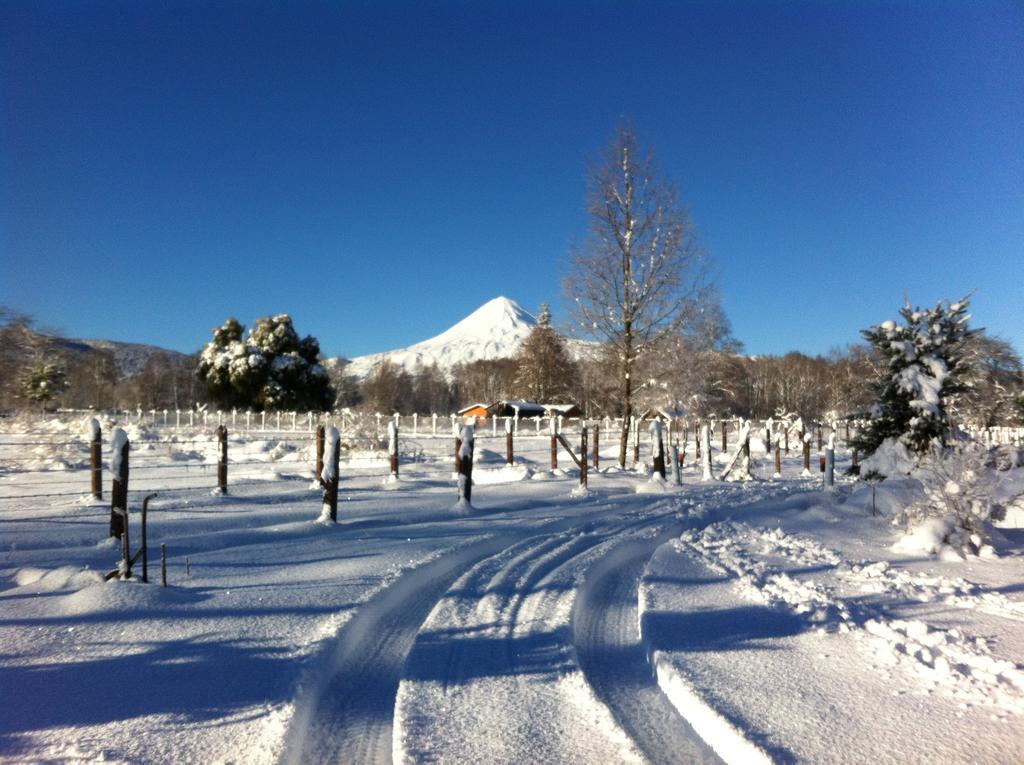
x=494, y=676
x=346, y=713
x=606, y=631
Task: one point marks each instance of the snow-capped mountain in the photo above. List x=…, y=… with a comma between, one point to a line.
x=495, y=330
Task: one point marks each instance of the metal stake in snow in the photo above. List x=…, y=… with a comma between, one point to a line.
x=658, y=447
x=96, y=457
x=466, y=466
x=329, y=475
x=393, y=447
x=119, y=488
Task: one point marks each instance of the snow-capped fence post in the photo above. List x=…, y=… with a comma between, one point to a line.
x=329, y=475
x=263, y=420
x=309, y=422
x=321, y=433
x=508, y=441
x=393, y=447
x=415, y=417
x=119, y=488
x=277, y=424
x=658, y=448
x=222, y=459
x=597, y=446
x=465, y=457
x=96, y=458
x=583, y=455
x=554, y=444
x=165, y=418
x=830, y=460
x=177, y=419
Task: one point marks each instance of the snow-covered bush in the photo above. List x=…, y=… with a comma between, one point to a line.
x=923, y=362
x=958, y=503
x=270, y=370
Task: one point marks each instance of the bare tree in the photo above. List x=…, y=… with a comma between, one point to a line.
x=639, y=277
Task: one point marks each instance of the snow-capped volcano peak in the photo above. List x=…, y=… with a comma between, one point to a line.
x=495, y=330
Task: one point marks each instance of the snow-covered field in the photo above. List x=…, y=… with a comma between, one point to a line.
x=768, y=620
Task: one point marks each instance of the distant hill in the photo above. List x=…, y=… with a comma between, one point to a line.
x=129, y=358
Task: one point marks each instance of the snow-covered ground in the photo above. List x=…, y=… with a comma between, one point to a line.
x=741, y=621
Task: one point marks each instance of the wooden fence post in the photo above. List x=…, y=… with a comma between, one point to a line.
x=658, y=447
x=222, y=459
x=778, y=461
x=677, y=467
x=636, y=439
x=329, y=476
x=725, y=437
x=583, y=455
x=393, y=447
x=554, y=444
x=96, y=457
x=163, y=564
x=597, y=446
x=119, y=489
x=508, y=441
x=320, y=435
x=806, y=439
x=465, y=457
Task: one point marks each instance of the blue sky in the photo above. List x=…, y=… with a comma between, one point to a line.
x=379, y=170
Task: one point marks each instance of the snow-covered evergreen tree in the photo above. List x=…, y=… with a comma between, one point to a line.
x=271, y=369
x=544, y=370
x=922, y=366
x=44, y=382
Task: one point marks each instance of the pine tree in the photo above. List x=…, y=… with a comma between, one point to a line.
x=271, y=370
x=922, y=366
x=544, y=370
x=44, y=382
